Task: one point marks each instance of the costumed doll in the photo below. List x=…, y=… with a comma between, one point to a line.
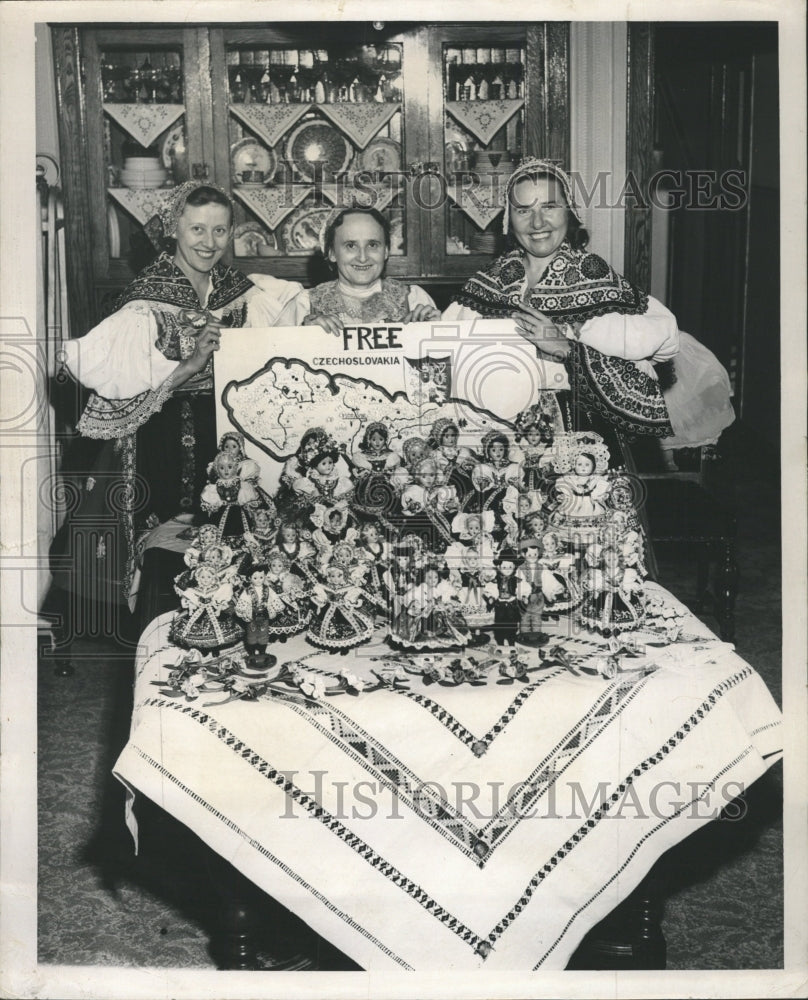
x=226, y=499
x=374, y=551
x=331, y=526
x=298, y=550
x=253, y=607
x=615, y=599
x=578, y=502
x=260, y=538
x=206, y=549
x=232, y=444
x=503, y=595
x=206, y=622
x=517, y=507
x=530, y=631
x=206, y=535
x=287, y=500
x=494, y=474
x=470, y=579
x=289, y=607
x=413, y=451
x=343, y=615
x=402, y=573
x=426, y=507
x=323, y=482
x=535, y=433
x=470, y=560
x=454, y=464
x=559, y=583
x=373, y=453
x=429, y=617
x=378, y=473
x=473, y=531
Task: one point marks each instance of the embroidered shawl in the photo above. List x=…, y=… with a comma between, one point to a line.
x=389, y=305
x=577, y=286
x=162, y=281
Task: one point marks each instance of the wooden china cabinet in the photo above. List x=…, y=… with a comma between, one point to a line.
x=424, y=121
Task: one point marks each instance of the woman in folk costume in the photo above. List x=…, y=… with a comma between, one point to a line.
x=356, y=243
x=149, y=365
x=613, y=337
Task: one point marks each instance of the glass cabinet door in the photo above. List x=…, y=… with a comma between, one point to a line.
x=496, y=91
x=478, y=125
x=307, y=122
x=144, y=129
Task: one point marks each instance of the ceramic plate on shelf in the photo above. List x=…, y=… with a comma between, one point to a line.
x=313, y=141
x=396, y=216
x=251, y=239
x=301, y=231
x=172, y=150
x=456, y=156
x=113, y=232
x=381, y=156
x=250, y=155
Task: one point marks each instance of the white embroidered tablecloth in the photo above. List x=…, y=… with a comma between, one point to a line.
x=464, y=827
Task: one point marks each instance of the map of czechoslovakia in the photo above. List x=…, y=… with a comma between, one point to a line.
x=275, y=407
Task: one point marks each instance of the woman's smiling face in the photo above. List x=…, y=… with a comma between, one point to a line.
x=360, y=252
x=203, y=234
x=538, y=215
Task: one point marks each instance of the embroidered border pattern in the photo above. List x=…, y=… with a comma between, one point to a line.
x=664, y=822
x=271, y=857
x=602, y=714
x=552, y=863
x=393, y=774
x=619, y=391
x=316, y=811
x=105, y=419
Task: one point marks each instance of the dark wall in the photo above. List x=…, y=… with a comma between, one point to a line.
x=717, y=108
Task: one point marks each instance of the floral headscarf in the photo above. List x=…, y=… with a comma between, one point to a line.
x=530, y=168
x=163, y=225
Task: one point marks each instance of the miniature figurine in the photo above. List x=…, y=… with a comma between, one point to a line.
x=289, y=610
x=425, y=506
x=503, y=594
x=429, y=617
x=323, y=482
x=454, y=464
x=494, y=474
x=558, y=579
x=615, y=599
x=206, y=622
x=373, y=453
x=535, y=435
x=343, y=617
x=297, y=549
x=253, y=607
x=225, y=500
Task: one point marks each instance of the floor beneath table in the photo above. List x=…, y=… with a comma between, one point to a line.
x=101, y=905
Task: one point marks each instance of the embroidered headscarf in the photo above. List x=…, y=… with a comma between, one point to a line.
x=162, y=281
x=163, y=224
x=529, y=169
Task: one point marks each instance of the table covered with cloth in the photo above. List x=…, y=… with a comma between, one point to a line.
x=426, y=824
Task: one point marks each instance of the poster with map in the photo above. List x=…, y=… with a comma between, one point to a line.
x=274, y=384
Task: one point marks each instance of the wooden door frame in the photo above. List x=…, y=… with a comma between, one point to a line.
x=72, y=117
x=639, y=150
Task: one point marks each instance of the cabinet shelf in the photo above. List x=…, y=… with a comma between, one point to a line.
x=444, y=100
